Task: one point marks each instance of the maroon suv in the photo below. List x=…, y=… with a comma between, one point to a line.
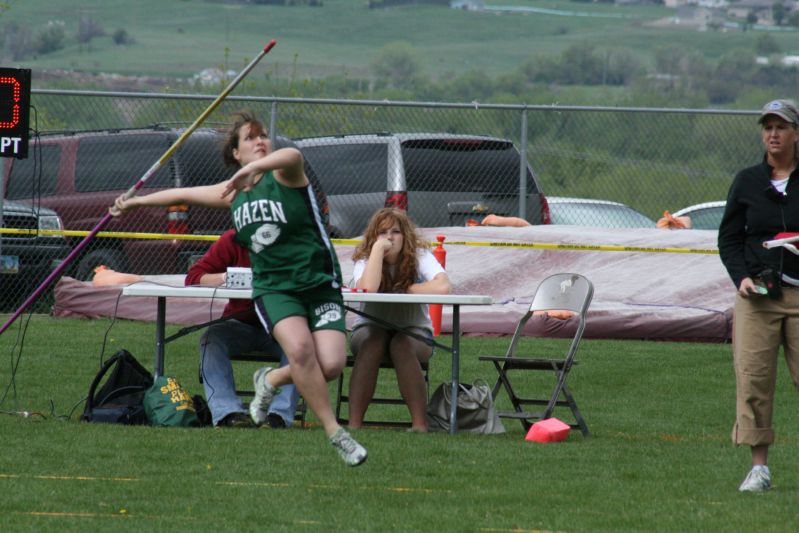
x=80, y=174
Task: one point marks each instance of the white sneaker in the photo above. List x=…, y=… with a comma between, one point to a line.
x=348, y=448
x=264, y=392
x=757, y=480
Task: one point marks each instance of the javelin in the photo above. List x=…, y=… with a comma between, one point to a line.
x=139, y=184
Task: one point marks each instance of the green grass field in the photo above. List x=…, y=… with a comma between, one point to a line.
x=660, y=458
x=180, y=38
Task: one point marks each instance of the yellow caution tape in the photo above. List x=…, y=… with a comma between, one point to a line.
x=354, y=242
x=585, y=247
x=114, y=234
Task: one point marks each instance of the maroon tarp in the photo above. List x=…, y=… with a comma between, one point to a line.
x=637, y=295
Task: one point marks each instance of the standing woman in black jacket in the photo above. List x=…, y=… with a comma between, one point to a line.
x=763, y=201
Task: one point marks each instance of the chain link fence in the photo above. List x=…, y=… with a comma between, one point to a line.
x=450, y=164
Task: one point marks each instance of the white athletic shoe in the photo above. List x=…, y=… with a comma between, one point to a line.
x=348, y=448
x=264, y=392
x=757, y=480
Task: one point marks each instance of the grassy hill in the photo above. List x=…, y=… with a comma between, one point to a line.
x=180, y=38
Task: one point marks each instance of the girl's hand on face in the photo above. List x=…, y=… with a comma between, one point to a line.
x=382, y=245
x=388, y=239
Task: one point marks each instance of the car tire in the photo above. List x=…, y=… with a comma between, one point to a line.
x=112, y=259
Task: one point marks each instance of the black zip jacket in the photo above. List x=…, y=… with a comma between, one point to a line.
x=755, y=213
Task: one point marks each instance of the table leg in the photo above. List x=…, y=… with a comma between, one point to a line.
x=456, y=338
x=160, y=326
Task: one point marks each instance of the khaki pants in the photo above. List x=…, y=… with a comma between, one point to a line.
x=760, y=326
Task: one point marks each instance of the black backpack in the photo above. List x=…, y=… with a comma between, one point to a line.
x=120, y=399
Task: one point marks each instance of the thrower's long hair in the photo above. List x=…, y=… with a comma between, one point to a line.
x=231, y=142
x=405, y=270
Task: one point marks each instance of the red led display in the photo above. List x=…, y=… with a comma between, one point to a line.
x=15, y=91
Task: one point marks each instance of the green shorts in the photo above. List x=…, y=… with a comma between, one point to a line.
x=323, y=307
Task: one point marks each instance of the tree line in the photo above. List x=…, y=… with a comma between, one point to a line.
x=678, y=75
x=681, y=77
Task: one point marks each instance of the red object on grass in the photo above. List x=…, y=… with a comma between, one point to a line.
x=548, y=430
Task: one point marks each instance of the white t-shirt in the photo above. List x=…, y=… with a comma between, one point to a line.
x=401, y=315
x=780, y=185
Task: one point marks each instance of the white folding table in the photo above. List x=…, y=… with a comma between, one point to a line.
x=162, y=292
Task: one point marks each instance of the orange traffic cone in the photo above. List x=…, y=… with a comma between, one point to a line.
x=435, y=309
x=549, y=430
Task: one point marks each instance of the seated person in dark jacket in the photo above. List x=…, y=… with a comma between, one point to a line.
x=241, y=333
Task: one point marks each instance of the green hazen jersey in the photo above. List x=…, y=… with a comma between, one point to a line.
x=283, y=230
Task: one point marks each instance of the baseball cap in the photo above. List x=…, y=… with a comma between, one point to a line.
x=785, y=109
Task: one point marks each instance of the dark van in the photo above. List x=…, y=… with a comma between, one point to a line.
x=442, y=179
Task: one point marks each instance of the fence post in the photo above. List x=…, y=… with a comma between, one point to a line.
x=273, y=122
x=523, y=168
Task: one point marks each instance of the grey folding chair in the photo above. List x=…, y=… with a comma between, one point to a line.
x=568, y=292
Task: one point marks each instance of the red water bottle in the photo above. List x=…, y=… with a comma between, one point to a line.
x=435, y=309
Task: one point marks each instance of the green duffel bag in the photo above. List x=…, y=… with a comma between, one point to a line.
x=166, y=403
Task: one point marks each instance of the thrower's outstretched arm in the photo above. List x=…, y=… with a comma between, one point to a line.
x=205, y=196
x=139, y=184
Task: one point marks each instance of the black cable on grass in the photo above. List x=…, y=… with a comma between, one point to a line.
x=75, y=406
x=18, y=347
x=102, y=351
x=23, y=414
x=107, y=331
x=114, y=319
x=20, y=342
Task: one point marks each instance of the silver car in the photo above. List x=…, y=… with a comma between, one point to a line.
x=598, y=213
x=704, y=216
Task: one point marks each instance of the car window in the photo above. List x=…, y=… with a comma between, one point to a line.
x=709, y=218
x=350, y=168
x=199, y=162
x=600, y=215
x=469, y=165
x=35, y=176
x=112, y=163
